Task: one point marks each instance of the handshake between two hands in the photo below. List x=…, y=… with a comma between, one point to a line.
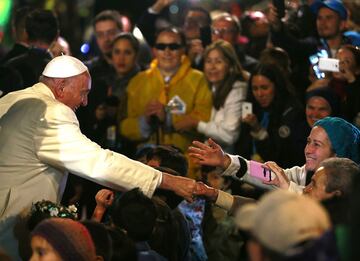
x=203, y=190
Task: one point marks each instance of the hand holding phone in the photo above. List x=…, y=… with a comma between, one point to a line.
x=246, y=109
x=280, y=7
x=259, y=171
x=205, y=35
x=314, y=61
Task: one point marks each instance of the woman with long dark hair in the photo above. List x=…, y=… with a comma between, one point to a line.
x=276, y=128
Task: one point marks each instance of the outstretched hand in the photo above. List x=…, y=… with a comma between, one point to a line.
x=181, y=186
x=281, y=180
x=206, y=191
x=210, y=154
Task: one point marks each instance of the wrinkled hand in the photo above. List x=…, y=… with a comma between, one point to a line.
x=211, y=154
x=281, y=180
x=206, y=191
x=252, y=120
x=186, y=123
x=181, y=186
x=155, y=108
x=273, y=18
x=104, y=198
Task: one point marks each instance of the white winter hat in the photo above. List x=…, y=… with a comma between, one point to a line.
x=64, y=66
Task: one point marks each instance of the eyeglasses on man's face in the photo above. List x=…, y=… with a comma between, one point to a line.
x=104, y=34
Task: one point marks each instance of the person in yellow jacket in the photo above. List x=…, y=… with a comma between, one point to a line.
x=160, y=97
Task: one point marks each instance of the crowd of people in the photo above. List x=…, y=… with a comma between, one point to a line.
x=224, y=138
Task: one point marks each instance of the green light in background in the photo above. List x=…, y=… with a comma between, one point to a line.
x=5, y=7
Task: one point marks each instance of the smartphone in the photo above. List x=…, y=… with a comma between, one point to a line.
x=246, y=109
x=258, y=171
x=205, y=35
x=280, y=7
x=329, y=64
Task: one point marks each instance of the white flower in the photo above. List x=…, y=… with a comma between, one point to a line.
x=72, y=208
x=54, y=212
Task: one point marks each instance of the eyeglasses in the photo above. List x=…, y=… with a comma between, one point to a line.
x=103, y=34
x=171, y=46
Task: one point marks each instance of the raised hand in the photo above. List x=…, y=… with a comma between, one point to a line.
x=104, y=198
x=252, y=121
x=273, y=18
x=195, y=49
x=346, y=71
x=210, y=154
x=159, y=5
x=281, y=180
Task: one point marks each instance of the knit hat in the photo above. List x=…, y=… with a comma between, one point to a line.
x=344, y=137
x=70, y=239
x=281, y=220
x=335, y=5
x=64, y=66
x=329, y=95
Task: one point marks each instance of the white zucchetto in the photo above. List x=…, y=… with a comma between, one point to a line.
x=64, y=66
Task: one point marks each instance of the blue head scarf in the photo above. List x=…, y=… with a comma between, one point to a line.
x=344, y=137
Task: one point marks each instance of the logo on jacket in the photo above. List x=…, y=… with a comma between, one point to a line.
x=176, y=105
x=284, y=131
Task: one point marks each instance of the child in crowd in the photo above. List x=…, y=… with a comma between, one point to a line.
x=62, y=239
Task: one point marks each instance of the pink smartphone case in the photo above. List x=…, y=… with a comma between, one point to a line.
x=257, y=171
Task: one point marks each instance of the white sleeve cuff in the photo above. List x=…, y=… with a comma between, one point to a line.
x=160, y=180
x=201, y=127
x=233, y=167
x=224, y=200
x=293, y=187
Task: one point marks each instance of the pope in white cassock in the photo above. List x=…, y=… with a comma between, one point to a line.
x=40, y=141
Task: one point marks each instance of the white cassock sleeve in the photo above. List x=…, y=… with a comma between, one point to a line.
x=61, y=144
